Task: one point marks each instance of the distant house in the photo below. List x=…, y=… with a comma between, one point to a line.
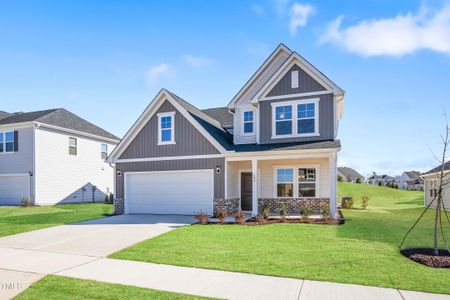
x=431, y=184
x=384, y=179
x=350, y=175
x=410, y=180
x=53, y=156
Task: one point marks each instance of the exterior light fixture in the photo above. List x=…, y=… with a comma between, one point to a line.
x=218, y=170
x=118, y=173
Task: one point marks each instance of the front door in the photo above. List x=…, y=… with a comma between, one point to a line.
x=246, y=191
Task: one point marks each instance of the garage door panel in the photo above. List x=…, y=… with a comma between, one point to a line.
x=173, y=192
x=13, y=188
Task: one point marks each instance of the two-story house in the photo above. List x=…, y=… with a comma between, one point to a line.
x=274, y=145
x=53, y=156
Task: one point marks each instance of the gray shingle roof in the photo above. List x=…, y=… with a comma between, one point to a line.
x=438, y=168
x=58, y=117
x=349, y=172
x=221, y=114
x=4, y=114
x=413, y=175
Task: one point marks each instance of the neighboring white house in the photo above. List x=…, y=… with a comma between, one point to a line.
x=53, y=156
x=431, y=180
x=410, y=181
x=384, y=180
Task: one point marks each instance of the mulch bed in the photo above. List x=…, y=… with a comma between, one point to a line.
x=425, y=256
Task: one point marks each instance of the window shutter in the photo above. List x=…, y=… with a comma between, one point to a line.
x=16, y=141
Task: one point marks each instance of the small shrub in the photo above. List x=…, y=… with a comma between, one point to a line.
x=261, y=219
x=221, y=215
x=380, y=183
x=358, y=180
x=266, y=212
x=325, y=211
x=283, y=213
x=239, y=217
x=26, y=202
x=202, y=218
x=365, y=201
x=306, y=211
x=339, y=178
x=347, y=202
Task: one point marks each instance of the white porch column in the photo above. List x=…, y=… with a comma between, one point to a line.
x=254, y=187
x=333, y=184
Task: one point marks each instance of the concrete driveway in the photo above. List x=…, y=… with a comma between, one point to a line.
x=27, y=257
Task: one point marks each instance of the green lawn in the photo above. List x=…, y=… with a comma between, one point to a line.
x=59, y=288
x=363, y=251
x=20, y=219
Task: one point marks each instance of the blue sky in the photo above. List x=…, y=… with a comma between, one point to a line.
x=105, y=60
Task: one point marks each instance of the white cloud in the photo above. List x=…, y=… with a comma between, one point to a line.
x=257, y=9
x=155, y=73
x=299, y=14
x=397, y=36
x=197, y=61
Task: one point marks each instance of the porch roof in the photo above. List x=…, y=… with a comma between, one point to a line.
x=329, y=144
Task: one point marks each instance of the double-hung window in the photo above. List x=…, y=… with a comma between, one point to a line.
x=296, y=181
x=72, y=146
x=104, y=151
x=283, y=120
x=7, y=141
x=166, y=128
x=295, y=118
x=285, y=182
x=306, y=182
x=248, y=122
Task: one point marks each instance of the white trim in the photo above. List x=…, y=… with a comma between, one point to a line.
x=294, y=79
x=294, y=120
x=76, y=132
x=146, y=116
x=286, y=154
x=296, y=59
x=172, y=128
x=243, y=122
x=292, y=96
x=125, y=179
x=255, y=179
x=267, y=62
x=14, y=175
x=164, y=158
x=17, y=125
x=295, y=182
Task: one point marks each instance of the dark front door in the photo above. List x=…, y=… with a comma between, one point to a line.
x=246, y=191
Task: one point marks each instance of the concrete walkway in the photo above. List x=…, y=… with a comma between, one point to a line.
x=25, y=258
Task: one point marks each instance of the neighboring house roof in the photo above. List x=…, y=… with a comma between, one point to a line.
x=221, y=114
x=58, y=117
x=439, y=168
x=4, y=114
x=413, y=175
x=349, y=172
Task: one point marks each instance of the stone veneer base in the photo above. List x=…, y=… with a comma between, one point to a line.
x=119, y=206
x=230, y=205
x=293, y=206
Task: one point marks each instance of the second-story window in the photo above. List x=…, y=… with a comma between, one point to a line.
x=283, y=120
x=7, y=141
x=72, y=146
x=248, y=122
x=104, y=153
x=306, y=116
x=166, y=128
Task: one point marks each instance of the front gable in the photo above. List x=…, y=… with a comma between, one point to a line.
x=295, y=81
x=188, y=140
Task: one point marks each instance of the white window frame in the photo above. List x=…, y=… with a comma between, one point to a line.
x=295, y=170
x=172, y=136
x=76, y=146
x=243, y=122
x=101, y=151
x=294, y=105
x=4, y=141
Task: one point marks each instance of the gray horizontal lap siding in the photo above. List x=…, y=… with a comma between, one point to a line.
x=306, y=84
x=189, y=141
x=326, y=120
x=173, y=165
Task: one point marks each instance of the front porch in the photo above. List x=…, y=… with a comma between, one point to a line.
x=289, y=181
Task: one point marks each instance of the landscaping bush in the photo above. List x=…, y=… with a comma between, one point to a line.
x=365, y=201
x=380, y=183
x=358, y=180
x=339, y=178
x=265, y=212
x=202, y=218
x=306, y=211
x=239, y=217
x=325, y=211
x=26, y=202
x=347, y=202
x=221, y=215
x=283, y=213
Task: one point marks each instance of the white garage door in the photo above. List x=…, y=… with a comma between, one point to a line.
x=13, y=188
x=170, y=192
